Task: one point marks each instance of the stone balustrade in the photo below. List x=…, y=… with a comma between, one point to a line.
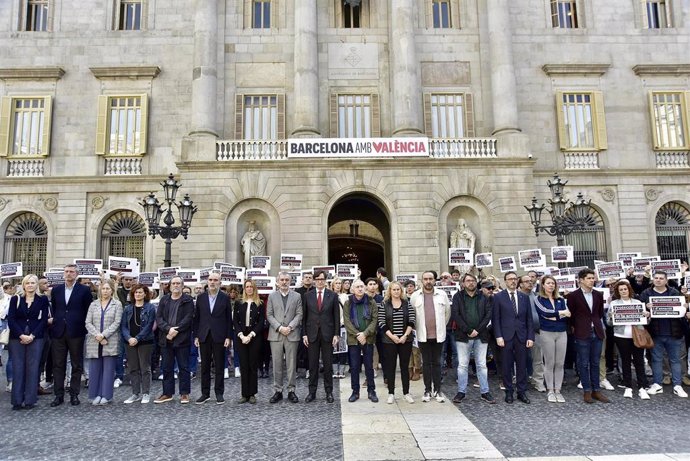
x=672, y=159
x=26, y=168
x=122, y=166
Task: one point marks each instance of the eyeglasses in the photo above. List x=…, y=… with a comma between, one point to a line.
x=320, y=280
x=512, y=278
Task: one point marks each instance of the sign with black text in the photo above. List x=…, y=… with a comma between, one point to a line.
x=563, y=254
x=640, y=264
x=9, y=270
x=507, y=263
x=627, y=258
x=530, y=258
x=631, y=313
x=89, y=268
x=483, y=260
x=607, y=270
x=460, y=256
x=670, y=266
x=290, y=262
x=667, y=307
x=261, y=262
x=128, y=267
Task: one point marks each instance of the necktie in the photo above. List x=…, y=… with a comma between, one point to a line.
x=319, y=301
x=512, y=300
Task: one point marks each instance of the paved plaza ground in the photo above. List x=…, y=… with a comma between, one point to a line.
x=350, y=431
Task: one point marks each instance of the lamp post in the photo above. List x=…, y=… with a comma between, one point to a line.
x=153, y=212
x=560, y=206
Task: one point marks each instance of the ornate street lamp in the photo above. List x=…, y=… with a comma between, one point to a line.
x=566, y=217
x=153, y=212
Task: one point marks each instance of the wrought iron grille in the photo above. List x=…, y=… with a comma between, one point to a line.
x=26, y=241
x=124, y=235
x=673, y=231
x=588, y=243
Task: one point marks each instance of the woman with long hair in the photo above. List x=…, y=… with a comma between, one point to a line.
x=102, y=342
x=248, y=320
x=27, y=318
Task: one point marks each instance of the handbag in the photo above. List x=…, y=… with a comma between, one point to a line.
x=641, y=338
x=5, y=335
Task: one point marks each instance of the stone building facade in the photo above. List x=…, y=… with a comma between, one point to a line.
x=99, y=104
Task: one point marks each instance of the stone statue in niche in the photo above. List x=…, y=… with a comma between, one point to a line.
x=462, y=236
x=253, y=243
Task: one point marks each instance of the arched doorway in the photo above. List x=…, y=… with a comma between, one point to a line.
x=26, y=241
x=358, y=233
x=673, y=231
x=124, y=234
x=589, y=243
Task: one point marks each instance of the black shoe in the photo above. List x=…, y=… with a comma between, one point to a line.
x=74, y=400
x=373, y=397
x=29, y=407
x=16, y=407
x=277, y=397
x=523, y=398
x=203, y=399
x=57, y=402
x=86, y=383
x=292, y=397
x=458, y=397
x=509, y=397
x=220, y=400
x=329, y=397
x=354, y=397
x=310, y=397
x=487, y=397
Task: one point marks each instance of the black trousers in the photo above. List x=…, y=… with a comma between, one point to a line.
x=631, y=354
x=249, y=366
x=320, y=348
x=46, y=363
x=60, y=347
x=392, y=352
x=431, y=364
x=515, y=353
x=211, y=350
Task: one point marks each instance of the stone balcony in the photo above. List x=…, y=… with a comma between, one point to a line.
x=248, y=150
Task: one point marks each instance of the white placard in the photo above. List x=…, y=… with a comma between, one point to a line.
x=290, y=262
x=204, y=273
x=460, y=256
x=190, y=277
x=605, y=291
x=295, y=279
x=167, y=273
x=627, y=258
x=402, y=278
x=347, y=270
x=253, y=273
x=484, y=260
x=631, y=313
x=54, y=278
x=10, y=270
x=507, y=264
x=667, y=307
x=128, y=267
x=639, y=264
x=607, y=270
x=670, y=266
x=566, y=282
x=261, y=262
x=265, y=285
x=562, y=254
x=231, y=275
x=531, y=258
x=329, y=270
x=449, y=290
x=89, y=268
x=148, y=278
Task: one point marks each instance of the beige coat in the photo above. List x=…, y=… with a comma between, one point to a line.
x=111, y=328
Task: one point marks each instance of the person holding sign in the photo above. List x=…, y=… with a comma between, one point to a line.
x=553, y=323
x=622, y=294
x=248, y=319
x=27, y=320
x=668, y=335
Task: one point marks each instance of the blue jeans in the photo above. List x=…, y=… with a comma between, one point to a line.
x=355, y=354
x=102, y=376
x=449, y=348
x=26, y=358
x=588, y=354
x=672, y=347
x=464, y=350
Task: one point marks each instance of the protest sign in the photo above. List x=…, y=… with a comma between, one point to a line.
x=607, y=270
x=530, y=258
x=128, y=267
x=190, y=277
x=265, y=285
x=667, y=306
x=290, y=262
x=10, y=270
x=329, y=270
x=166, y=273
x=627, y=258
x=628, y=314
x=231, y=275
x=148, y=278
x=89, y=268
x=484, y=260
x=402, y=278
x=253, y=273
x=347, y=270
x=449, y=290
x=261, y=262
x=562, y=254
x=54, y=278
x=640, y=264
x=460, y=256
x=507, y=263
x=566, y=282
x=670, y=266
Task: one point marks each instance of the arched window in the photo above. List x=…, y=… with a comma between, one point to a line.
x=124, y=235
x=26, y=241
x=673, y=231
x=588, y=243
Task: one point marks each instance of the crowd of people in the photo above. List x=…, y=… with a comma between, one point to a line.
x=527, y=325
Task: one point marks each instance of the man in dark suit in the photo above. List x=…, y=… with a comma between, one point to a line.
x=70, y=303
x=587, y=311
x=212, y=333
x=512, y=324
x=320, y=333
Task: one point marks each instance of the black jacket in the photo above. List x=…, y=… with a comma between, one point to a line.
x=459, y=316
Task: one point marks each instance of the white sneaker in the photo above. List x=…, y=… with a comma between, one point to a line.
x=628, y=393
x=408, y=398
x=176, y=376
x=579, y=385
x=655, y=389
x=440, y=398
x=643, y=394
x=426, y=397
x=9, y=387
x=678, y=390
x=160, y=378
x=606, y=385
x=145, y=398
x=391, y=399
x=237, y=372
x=133, y=398
x=226, y=374
x=117, y=383
x=96, y=401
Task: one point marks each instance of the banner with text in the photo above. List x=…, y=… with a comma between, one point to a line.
x=358, y=147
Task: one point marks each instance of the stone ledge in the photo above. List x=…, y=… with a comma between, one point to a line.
x=31, y=73
x=677, y=70
x=132, y=72
x=586, y=70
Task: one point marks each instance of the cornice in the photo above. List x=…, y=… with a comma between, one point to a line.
x=132, y=72
x=31, y=73
x=585, y=70
x=675, y=70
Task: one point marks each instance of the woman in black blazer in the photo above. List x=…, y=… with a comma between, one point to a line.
x=28, y=320
x=248, y=320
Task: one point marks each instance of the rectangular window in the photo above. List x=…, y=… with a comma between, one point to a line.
x=581, y=121
x=441, y=14
x=37, y=15
x=669, y=121
x=354, y=116
x=656, y=14
x=448, y=116
x=129, y=15
x=352, y=10
x=25, y=126
x=564, y=14
x=261, y=14
x=122, y=125
x=260, y=117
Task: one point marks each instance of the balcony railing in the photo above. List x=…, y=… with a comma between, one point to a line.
x=241, y=150
x=26, y=168
x=122, y=166
x=672, y=159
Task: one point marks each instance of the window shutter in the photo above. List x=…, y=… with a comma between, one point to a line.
x=375, y=116
x=5, y=116
x=427, y=115
x=238, y=116
x=686, y=122
x=47, y=118
x=143, y=134
x=469, y=116
x=600, y=120
x=281, y=116
x=562, y=134
x=652, y=119
x=334, y=115
x=102, y=125
x=643, y=14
